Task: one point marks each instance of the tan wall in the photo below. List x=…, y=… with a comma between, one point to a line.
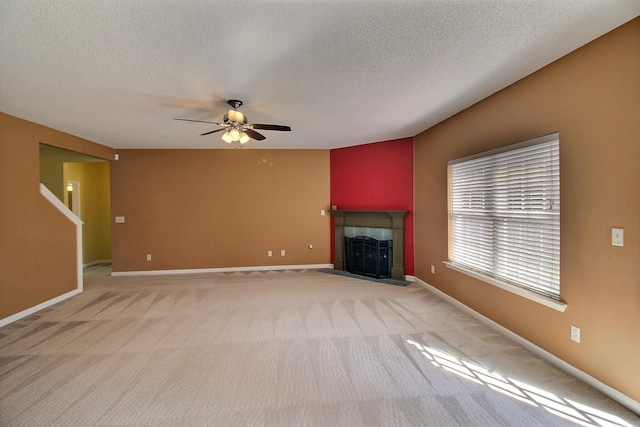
x=95, y=208
x=592, y=97
x=38, y=245
x=219, y=208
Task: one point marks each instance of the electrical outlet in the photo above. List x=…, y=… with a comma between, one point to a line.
x=282, y=252
x=269, y=253
x=575, y=333
x=148, y=257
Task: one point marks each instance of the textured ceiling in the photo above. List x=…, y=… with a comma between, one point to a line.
x=340, y=73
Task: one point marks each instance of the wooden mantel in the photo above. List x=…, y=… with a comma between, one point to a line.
x=373, y=219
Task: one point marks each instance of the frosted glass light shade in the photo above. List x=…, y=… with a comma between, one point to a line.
x=226, y=137
x=235, y=116
x=244, y=138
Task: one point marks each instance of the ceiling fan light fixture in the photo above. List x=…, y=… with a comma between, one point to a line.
x=226, y=137
x=236, y=126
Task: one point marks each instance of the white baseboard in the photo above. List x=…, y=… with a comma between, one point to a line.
x=220, y=270
x=62, y=297
x=38, y=307
x=613, y=394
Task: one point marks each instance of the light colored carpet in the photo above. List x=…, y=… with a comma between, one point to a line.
x=276, y=349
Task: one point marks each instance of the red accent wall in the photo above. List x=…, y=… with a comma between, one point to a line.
x=372, y=177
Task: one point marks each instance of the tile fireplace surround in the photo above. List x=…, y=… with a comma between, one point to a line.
x=374, y=219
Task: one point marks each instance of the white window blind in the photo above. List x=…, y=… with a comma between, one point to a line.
x=504, y=214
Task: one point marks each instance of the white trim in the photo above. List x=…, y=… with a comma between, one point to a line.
x=36, y=308
x=220, y=270
x=613, y=394
x=47, y=194
x=409, y=278
x=532, y=296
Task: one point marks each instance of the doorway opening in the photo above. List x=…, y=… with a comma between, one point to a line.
x=82, y=183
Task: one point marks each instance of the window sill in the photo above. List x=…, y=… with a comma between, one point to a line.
x=532, y=296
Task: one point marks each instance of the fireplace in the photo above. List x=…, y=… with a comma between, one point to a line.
x=370, y=242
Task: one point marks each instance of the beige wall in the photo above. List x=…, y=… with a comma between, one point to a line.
x=195, y=209
x=95, y=208
x=38, y=245
x=592, y=97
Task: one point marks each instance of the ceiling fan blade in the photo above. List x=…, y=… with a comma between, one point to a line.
x=213, y=131
x=255, y=135
x=270, y=127
x=199, y=121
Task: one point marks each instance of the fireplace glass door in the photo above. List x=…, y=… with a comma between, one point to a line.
x=368, y=256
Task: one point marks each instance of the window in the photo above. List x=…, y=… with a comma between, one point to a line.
x=504, y=215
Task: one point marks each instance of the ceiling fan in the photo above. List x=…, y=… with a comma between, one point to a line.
x=236, y=127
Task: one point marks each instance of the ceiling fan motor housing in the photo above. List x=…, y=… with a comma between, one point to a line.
x=235, y=103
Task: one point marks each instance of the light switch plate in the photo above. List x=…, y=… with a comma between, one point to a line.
x=119, y=220
x=617, y=237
